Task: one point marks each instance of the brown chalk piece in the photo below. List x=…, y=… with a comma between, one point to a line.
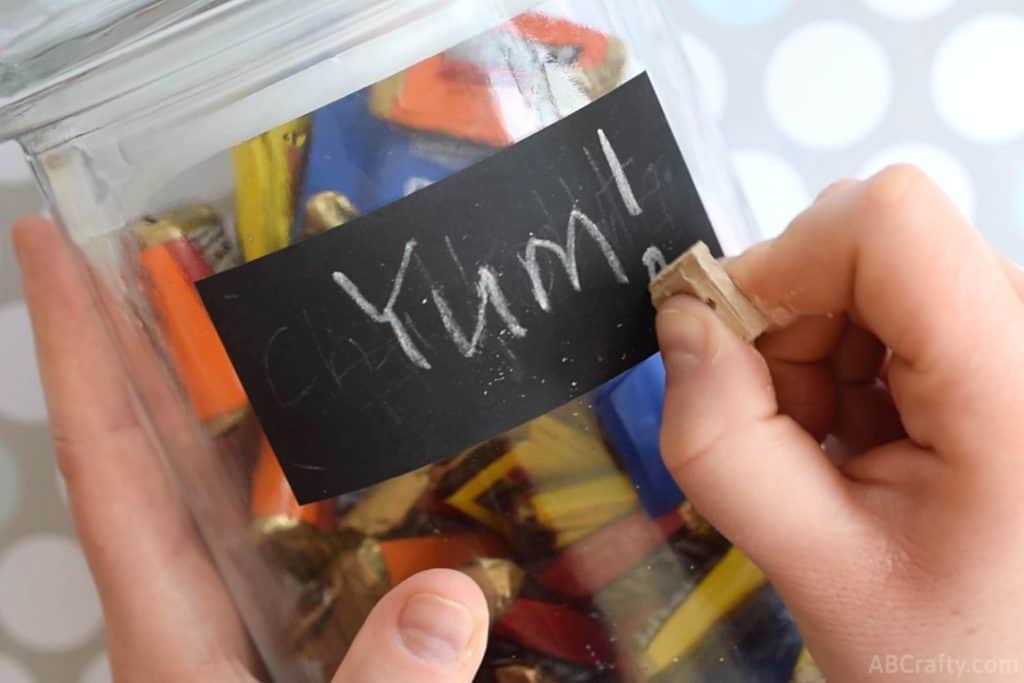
x=697, y=273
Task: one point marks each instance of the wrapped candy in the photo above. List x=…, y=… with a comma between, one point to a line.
x=171, y=263
x=407, y=325
x=269, y=169
x=384, y=508
x=732, y=581
x=593, y=565
x=299, y=535
x=500, y=580
x=806, y=670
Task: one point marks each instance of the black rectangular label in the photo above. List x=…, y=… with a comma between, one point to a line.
x=468, y=308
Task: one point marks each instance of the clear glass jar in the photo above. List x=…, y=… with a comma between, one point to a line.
x=281, y=135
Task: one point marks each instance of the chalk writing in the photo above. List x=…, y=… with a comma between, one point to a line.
x=568, y=257
x=619, y=173
x=488, y=288
x=468, y=308
x=387, y=316
x=287, y=403
x=490, y=294
x=655, y=261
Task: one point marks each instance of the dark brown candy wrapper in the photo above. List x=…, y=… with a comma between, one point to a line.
x=521, y=674
x=500, y=580
x=573, y=511
x=555, y=483
x=334, y=607
x=448, y=477
x=509, y=659
x=385, y=507
x=302, y=550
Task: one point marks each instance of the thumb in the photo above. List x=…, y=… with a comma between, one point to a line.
x=431, y=629
x=754, y=474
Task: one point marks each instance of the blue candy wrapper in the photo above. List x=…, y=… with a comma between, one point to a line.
x=629, y=410
x=372, y=162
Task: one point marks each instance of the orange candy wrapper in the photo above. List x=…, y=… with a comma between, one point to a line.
x=272, y=497
x=453, y=93
x=407, y=557
x=202, y=362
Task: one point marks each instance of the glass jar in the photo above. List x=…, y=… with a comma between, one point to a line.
x=378, y=270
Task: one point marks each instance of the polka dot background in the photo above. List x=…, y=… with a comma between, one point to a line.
x=805, y=91
x=50, y=622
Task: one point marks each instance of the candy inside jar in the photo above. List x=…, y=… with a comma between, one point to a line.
x=382, y=288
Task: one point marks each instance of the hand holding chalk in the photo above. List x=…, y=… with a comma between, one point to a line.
x=900, y=350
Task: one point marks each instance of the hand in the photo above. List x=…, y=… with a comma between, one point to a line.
x=168, y=614
x=901, y=341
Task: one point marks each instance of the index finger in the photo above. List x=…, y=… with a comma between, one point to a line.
x=895, y=254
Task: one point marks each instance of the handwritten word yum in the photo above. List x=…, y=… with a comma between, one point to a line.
x=489, y=294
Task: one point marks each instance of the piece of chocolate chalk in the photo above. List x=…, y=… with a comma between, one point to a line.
x=697, y=273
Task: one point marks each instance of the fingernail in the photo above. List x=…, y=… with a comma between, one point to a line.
x=683, y=336
x=434, y=629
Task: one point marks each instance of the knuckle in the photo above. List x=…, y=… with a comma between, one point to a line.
x=681, y=452
x=689, y=432
x=835, y=188
x=897, y=199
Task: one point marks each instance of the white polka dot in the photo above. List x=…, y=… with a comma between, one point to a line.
x=13, y=672
x=742, y=12
x=947, y=172
x=22, y=397
x=14, y=169
x=909, y=9
x=47, y=598
x=710, y=73
x=828, y=85
x=98, y=670
x=732, y=232
x=976, y=78
x=775, y=190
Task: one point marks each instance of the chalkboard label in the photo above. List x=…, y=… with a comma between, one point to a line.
x=465, y=309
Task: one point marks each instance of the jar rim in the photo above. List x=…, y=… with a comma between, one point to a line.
x=42, y=43
x=230, y=48
x=41, y=62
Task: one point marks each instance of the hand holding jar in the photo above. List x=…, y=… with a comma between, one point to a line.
x=167, y=612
